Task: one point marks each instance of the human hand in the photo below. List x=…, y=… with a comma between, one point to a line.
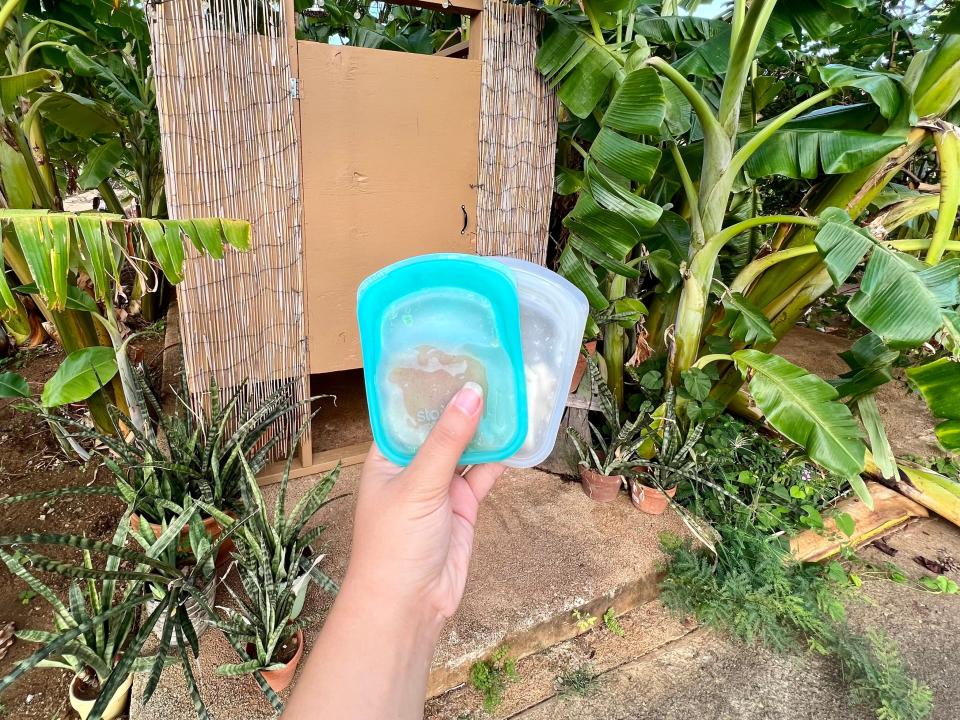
x=414, y=527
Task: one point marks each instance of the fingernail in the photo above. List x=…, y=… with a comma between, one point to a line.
x=469, y=399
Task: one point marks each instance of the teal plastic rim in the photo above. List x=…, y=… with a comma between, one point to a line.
x=442, y=271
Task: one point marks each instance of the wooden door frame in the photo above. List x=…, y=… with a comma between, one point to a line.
x=310, y=463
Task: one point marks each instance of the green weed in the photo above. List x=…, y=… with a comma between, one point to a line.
x=613, y=625
x=754, y=591
x=490, y=677
x=578, y=681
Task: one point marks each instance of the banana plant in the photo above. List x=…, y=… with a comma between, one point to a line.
x=90, y=105
x=664, y=118
x=62, y=250
x=78, y=113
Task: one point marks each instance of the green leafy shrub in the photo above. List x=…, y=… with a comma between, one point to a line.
x=763, y=481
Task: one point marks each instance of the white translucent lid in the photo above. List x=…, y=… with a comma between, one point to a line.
x=553, y=314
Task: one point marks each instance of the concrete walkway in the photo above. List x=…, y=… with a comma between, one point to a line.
x=678, y=674
x=542, y=550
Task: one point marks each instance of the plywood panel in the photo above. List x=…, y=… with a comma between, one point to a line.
x=390, y=145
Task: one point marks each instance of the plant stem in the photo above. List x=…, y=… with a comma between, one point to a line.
x=742, y=53
x=700, y=106
x=614, y=341
x=690, y=190
x=628, y=37
x=947, y=142
x=576, y=146
x=715, y=244
x=597, y=32
x=32, y=33
x=715, y=357
x=7, y=10
x=893, y=216
x=717, y=151
x=110, y=197
x=24, y=59
x=696, y=287
x=915, y=244
x=739, y=11
x=39, y=145
x=41, y=193
x=751, y=272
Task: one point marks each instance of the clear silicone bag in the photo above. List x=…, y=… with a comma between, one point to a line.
x=428, y=325
x=553, y=314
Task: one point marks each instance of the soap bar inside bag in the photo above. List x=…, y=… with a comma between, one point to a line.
x=428, y=325
x=553, y=313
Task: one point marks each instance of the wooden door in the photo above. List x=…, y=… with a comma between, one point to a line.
x=389, y=147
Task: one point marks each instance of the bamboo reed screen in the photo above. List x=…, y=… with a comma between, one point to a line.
x=230, y=148
x=518, y=137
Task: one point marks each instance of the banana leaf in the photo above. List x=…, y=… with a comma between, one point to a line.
x=805, y=409
x=939, y=383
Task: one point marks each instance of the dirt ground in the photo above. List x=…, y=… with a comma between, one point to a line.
x=701, y=675
x=31, y=461
x=905, y=416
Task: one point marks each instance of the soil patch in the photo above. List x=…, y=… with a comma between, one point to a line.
x=342, y=420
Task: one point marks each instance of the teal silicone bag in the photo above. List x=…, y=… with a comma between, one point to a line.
x=428, y=325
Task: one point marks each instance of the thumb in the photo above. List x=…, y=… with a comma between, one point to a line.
x=438, y=457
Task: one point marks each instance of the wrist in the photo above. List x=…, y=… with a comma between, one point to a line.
x=406, y=612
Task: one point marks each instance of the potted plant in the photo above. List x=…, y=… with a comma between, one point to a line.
x=587, y=350
x=91, y=656
x=276, y=562
x=190, y=551
x=193, y=456
x=675, y=459
x=617, y=451
x=128, y=575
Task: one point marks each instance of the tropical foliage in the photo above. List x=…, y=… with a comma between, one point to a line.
x=79, y=105
x=72, y=264
x=277, y=562
x=676, y=129
x=387, y=26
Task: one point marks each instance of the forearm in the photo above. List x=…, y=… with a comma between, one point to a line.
x=370, y=662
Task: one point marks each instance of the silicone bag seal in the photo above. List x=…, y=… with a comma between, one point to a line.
x=553, y=314
x=428, y=325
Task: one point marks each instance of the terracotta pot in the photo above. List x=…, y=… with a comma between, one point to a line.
x=116, y=706
x=212, y=527
x=280, y=679
x=581, y=366
x=601, y=488
x=650, y=500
